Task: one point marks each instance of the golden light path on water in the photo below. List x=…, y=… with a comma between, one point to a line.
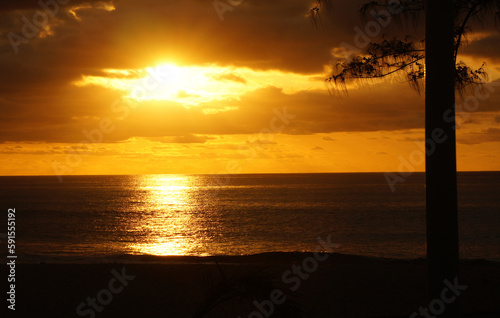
x=168, y=217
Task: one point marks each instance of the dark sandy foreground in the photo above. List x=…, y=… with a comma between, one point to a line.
x=341, y=286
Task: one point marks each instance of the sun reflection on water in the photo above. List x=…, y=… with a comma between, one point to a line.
x=167, y=216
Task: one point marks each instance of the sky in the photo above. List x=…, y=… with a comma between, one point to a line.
x=155, y=86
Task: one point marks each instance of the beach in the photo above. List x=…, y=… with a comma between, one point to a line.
x=90, y=247
x=327, y=285
x=250, y=159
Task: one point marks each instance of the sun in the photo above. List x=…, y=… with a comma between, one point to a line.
x=196, y=85
x=189, y=85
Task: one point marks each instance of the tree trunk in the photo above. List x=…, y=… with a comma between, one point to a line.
x=441, y=171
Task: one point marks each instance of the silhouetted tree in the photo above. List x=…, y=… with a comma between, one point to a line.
x=440, y=163
x=446, y=23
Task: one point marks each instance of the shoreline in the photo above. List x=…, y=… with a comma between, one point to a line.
x=265, y=257
x=340, y=286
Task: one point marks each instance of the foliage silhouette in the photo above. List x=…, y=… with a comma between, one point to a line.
x=447, y=23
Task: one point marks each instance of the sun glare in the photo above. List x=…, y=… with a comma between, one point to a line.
x=190, y=85
x=195, y=85
x=168, y=217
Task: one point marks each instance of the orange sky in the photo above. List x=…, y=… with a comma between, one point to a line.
x=154, y=86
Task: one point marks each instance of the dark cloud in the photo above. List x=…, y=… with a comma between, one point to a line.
x=187, y=139
x=6, y=6
x=38, y=102
x=261, y=142
x=385, y=108
x=481, y=136
x=265, y=110
x=257, y=34
x=230, y=77
x=487, y=48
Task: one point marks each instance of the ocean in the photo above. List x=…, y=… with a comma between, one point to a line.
x=127, y=218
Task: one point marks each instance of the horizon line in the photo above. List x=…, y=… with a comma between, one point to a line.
x=248, y=173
